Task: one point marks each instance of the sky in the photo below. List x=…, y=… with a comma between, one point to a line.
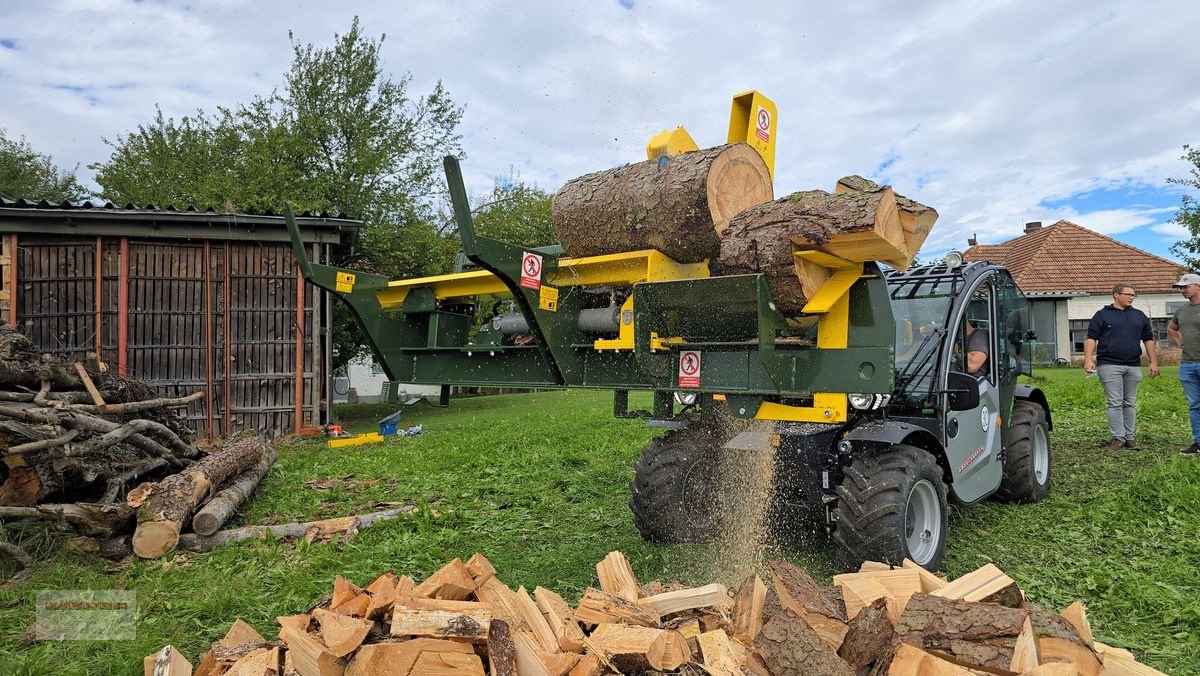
x=995, y=113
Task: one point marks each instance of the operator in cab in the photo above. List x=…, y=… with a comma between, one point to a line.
x=977, y=350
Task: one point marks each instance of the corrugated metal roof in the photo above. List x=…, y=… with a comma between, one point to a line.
x=23, y=203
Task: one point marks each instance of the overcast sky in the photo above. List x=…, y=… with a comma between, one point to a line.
x=995, y=113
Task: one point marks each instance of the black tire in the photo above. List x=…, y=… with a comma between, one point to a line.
x=880, y=493
x=1027, y=458
x=674, y=490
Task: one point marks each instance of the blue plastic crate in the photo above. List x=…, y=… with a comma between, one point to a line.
x=387, y=426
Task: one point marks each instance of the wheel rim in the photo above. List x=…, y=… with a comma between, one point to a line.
x=1041, y=454
x=923, y=522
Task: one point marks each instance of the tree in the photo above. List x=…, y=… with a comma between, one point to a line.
x=1189, y=212
x=517, y=213
x=24, y=172
x=340, y=136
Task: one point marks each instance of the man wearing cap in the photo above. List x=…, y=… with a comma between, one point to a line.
x=1184, y=331
x=1119, y=331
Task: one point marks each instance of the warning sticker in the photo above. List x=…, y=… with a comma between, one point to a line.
x=531, y=271
x=548, y=298
x=689, y=368
x=345, y=282
x=762, y=127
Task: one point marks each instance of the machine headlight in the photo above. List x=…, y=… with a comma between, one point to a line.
x=861, y=402
x=685, y=398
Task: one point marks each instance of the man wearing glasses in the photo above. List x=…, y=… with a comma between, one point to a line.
x=1114, y=343
x=1184, y=331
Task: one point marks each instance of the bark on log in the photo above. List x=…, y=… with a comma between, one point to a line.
x=201, y=543
x=979, y=635
x=789, y=647
x=218, y=511
x=763, y=238
x=869, y=644
x=916, y=219
x=86, y=519
x=170, y=505
x=680, y=208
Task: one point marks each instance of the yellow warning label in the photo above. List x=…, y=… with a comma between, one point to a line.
x=345, y=282
x=548, y=298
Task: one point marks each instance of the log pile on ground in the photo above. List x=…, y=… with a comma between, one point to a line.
x=716, y=205
x=74, y=443
x=882, y=620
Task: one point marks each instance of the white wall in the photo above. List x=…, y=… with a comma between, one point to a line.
x=368, y=380
x=1153, y=304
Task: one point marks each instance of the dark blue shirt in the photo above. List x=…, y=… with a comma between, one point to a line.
x=1119, y=334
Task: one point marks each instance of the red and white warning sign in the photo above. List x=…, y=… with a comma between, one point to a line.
x=689, y=368
x=531, y=271
x=762, y=127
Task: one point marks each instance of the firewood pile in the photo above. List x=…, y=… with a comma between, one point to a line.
x=75, y=442
x=901, y=621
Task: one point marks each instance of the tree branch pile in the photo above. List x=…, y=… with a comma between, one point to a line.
x=462, y=619
x=74, y=442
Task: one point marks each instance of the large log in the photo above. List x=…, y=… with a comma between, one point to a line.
x=916, y=219
x=218, y=511
x=170, y=505
x=978, y=635
x=859, y=226
x=679, y=208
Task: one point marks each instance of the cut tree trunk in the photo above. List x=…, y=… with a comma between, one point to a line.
x=218, y=511
x=170, y=505
x=326, y=527
x=852, y=226
x=916, y=219
x=977, y=635
x=679, y=208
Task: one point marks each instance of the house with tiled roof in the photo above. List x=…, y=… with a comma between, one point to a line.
x=1068, y=273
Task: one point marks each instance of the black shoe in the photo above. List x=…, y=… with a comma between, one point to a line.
x=1192, y=451
x=1116, y=445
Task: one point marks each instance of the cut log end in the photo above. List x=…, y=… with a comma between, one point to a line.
x=737, y=180
x=153, y=539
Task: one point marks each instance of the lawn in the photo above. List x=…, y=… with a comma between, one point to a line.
x=538, y=483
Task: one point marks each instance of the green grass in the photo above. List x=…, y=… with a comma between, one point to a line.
x=538, y=483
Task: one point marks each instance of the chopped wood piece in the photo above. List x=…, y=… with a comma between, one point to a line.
x=867, y=566
x=899, y=584
x=788, y=646
x=453, y=582
x=617, y=578
x=678, y=207
x=821, y=607
x=502, y=601
x=398, y=659
x=720, y=658
x=685, y=599
x=1062, y=650
x=977, y=635
x=929, y=582
x=748, y=609
x=588, y=665
x=355, y=607
x=1053, y=669
x=871, y=639
x=988, y=584
x=293, y=622
x=529, y=662
x=382, y=600
x=480, y=568
x=343, y=590
x=310, y=656
x=449, y=664
x=1076, y=614
x=405, y=585
x=633, y=649
x=416, y=616
x=690, y=628
x=561, y=619
x=1120, y=662
x=341, y=634
x=262, y=662
x=502, y=653
x=240, y=634
x=916, y=219
x=546, y=638
x=167, y=662
x=599, y=607
x=859, y=592
x=912, y=661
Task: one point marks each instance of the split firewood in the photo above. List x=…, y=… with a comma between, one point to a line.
x=633, y=648
x=1076, y=614
x=174, y=499
x=383, y=596
x=346, y=525
x=598, y=607
x=929, y=582
x=789, y=646
x=416, y=616
x=480, y=568
x=912, y=661
x=502, y=654
x=538, y=626
x=748, y=609
x=220, y=509
x=986, y=583
x=561, y=619
x=685, y=599
x=342, y=634
x=260, y=662
x=871, y=639
x=310, y=655
x=978, y=635
x=916, y=219
x=616, y=577
x=822, y=608
x=167, y=662
x=526, y=656
x=588, y=665
x=502, y=601
x=452, y=582
x=678, y=206
x=1059, y=641
x=720, y=657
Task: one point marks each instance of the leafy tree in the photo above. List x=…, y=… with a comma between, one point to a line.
x=1189, y=212
x=24, y=172
x=517, y=213
x=340, y=136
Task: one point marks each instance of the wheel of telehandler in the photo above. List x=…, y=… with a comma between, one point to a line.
x=675, y=497
x=892, y=506
x=1027, y=455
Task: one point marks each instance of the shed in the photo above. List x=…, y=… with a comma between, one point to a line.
x=185, y=300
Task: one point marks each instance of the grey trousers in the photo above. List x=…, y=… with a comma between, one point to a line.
x=1120, y=388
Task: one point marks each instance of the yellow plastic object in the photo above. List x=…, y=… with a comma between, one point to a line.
x=369, y=438
x=621, y=269
x=670, y=144
x=828, y=407
x=754, y=119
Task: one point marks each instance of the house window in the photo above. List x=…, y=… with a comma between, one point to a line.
x=1159, y=325
x=1078, y=334
x=1174, y=305
x=376, y=369
x=1045, y=324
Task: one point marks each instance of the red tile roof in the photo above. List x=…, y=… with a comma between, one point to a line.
x=1065, y=257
